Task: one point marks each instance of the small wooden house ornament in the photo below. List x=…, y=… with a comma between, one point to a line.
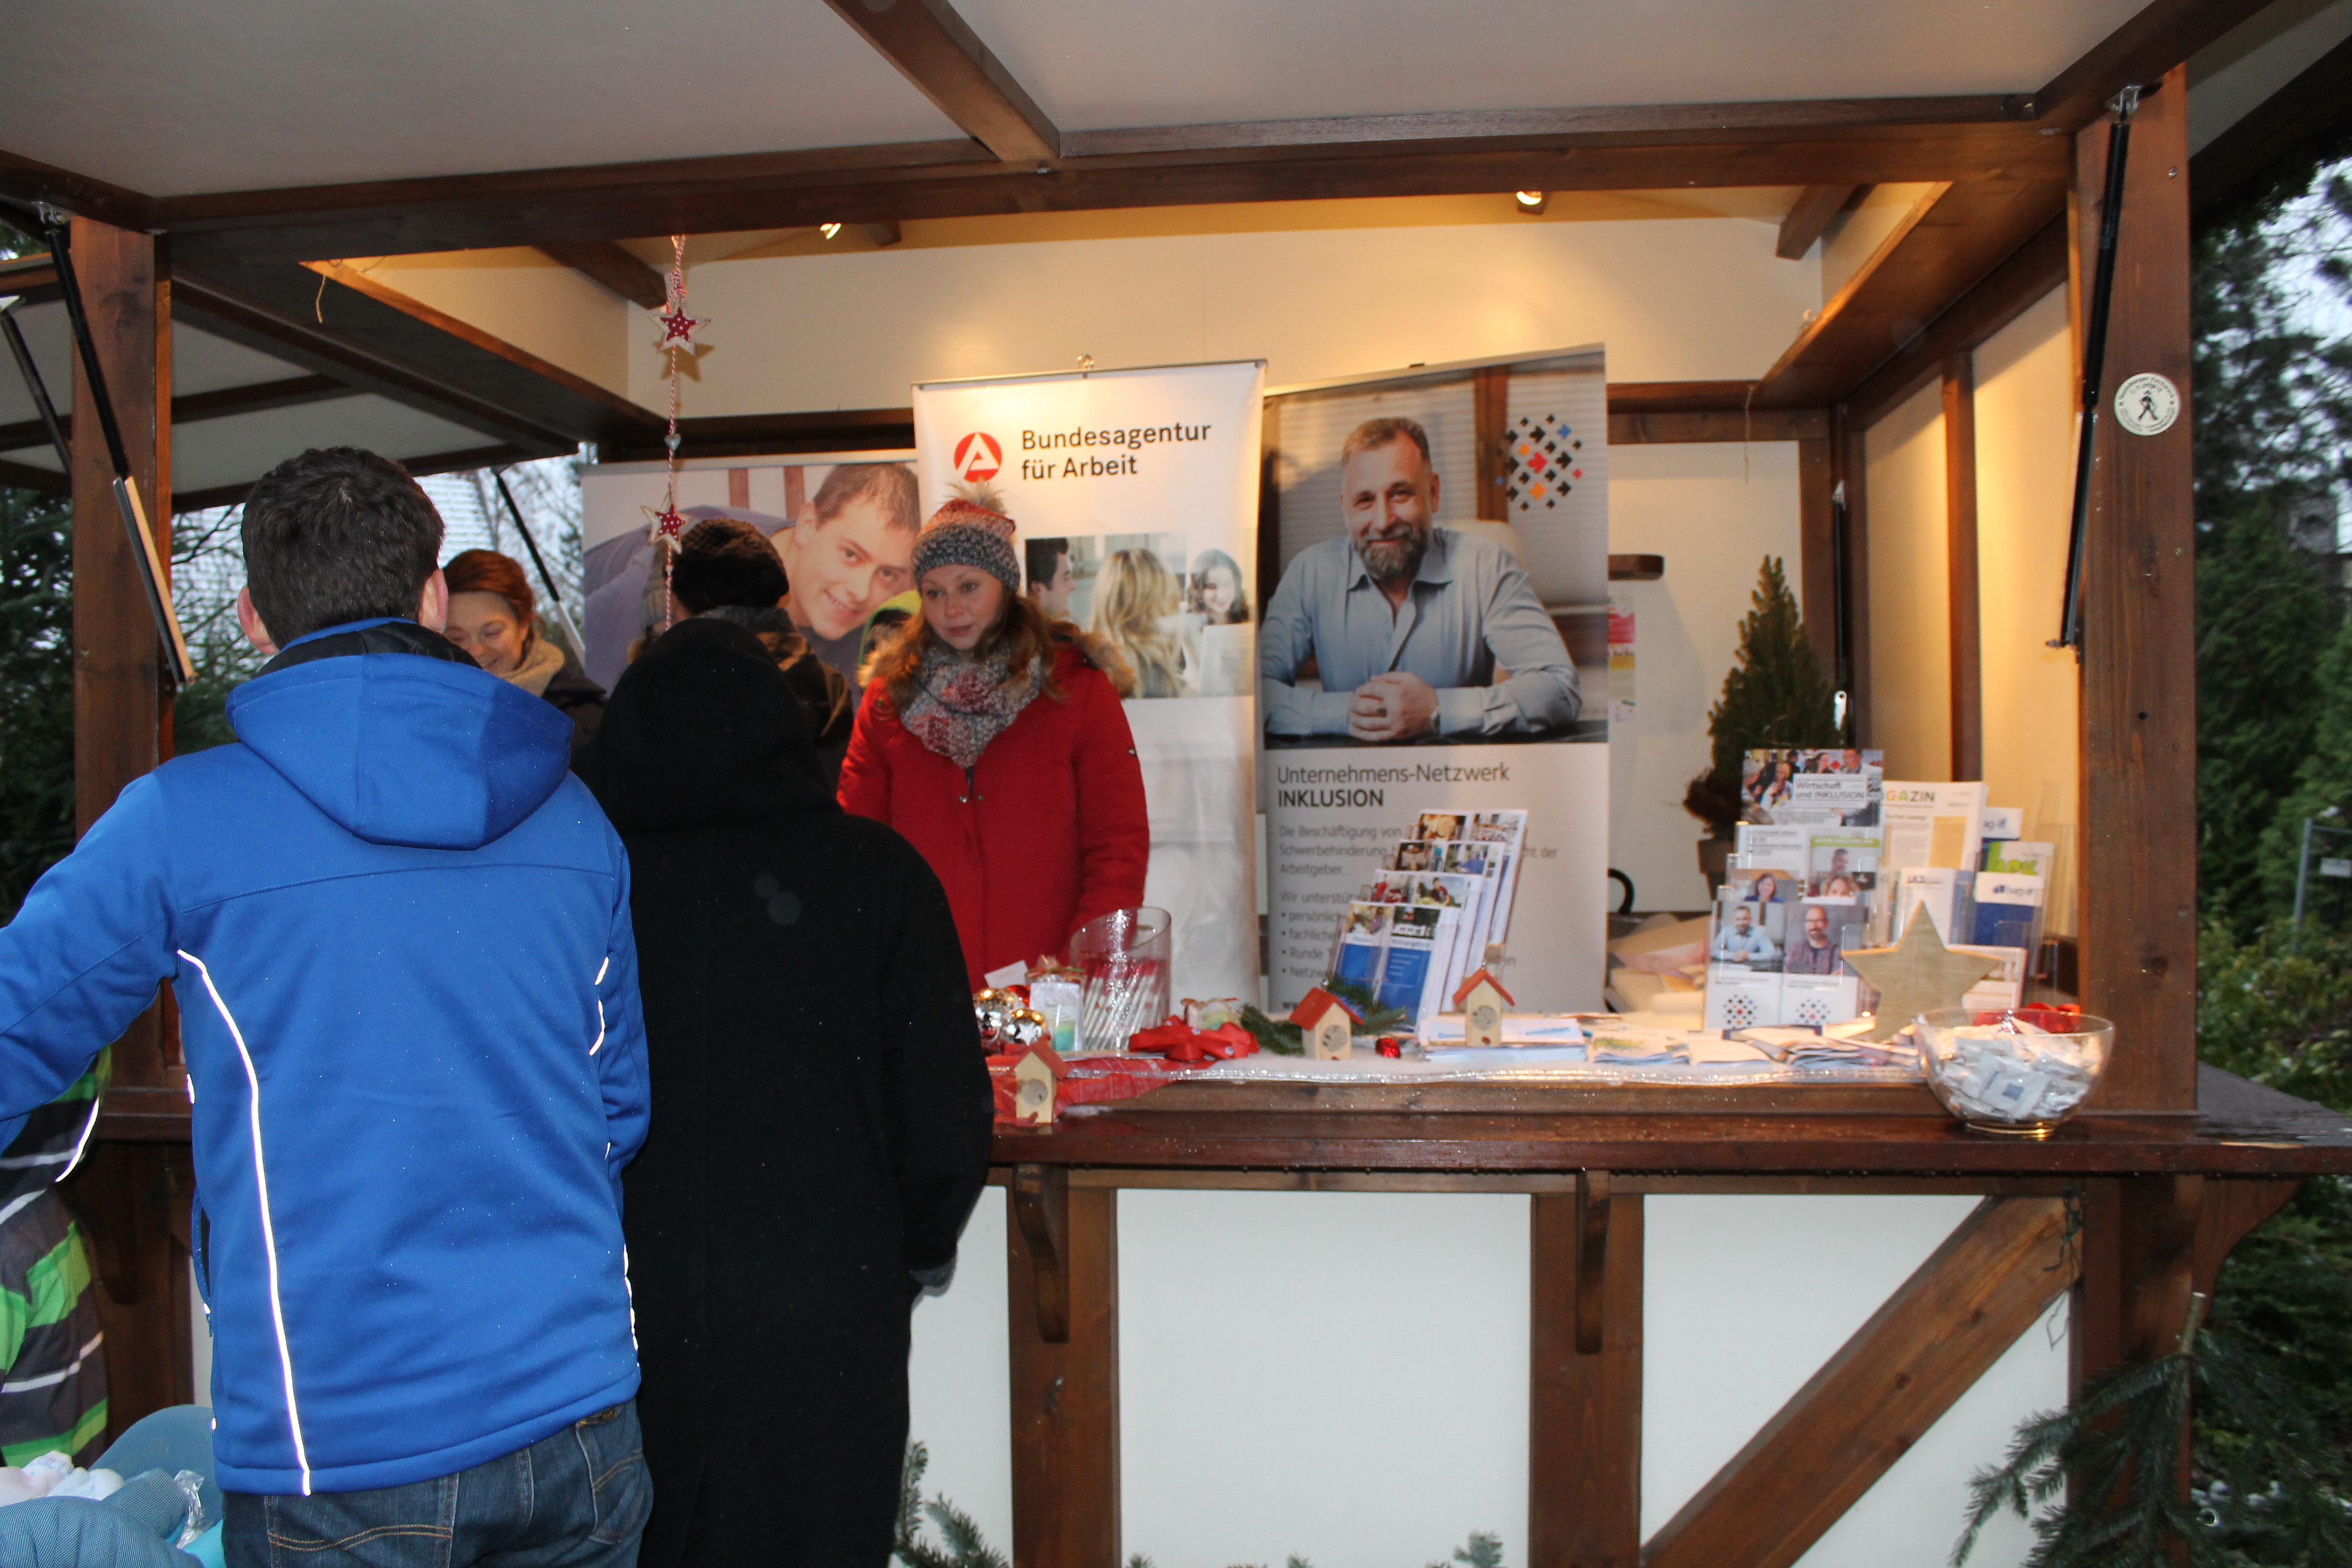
x=1481, y=998
x=1327, y=1025
x=1037, y=1085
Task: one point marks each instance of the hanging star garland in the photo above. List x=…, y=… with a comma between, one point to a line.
x=666, y=525
x=1917, y=974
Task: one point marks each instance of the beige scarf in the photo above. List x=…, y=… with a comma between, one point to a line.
x=537, y=667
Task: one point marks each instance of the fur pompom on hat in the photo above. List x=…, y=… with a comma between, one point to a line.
x=967, y=532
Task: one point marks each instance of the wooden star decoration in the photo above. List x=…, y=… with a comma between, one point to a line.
x=1917, y=974
x=670, y=522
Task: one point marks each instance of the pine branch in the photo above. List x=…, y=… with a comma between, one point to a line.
x=1275, y=1037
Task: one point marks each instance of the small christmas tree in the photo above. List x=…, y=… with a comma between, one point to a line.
x=1775, y=696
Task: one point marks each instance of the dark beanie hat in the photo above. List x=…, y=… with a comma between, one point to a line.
x=963, y=533
x=722, y=561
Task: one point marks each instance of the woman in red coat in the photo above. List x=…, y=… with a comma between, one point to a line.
x=992, y=739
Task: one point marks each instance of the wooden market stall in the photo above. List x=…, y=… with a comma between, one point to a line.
x=205, y=239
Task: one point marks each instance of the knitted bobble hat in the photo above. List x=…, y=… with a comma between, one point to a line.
x=965, y=533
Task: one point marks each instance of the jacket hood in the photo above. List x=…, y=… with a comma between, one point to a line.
x=399, y=742
x=704, y=728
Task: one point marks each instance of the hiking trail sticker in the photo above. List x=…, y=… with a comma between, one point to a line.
x=2148, y=403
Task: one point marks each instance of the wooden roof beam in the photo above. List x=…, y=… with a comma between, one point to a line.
x=1956, y=235
x=937, y=50
x=268, y=326
x=257, y=397
x=2138, y=53
x=1817, y=206
x=2233, y=163
x=601, y=262
x=883, y=184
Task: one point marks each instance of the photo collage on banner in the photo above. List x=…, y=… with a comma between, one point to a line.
x=1434, y=649
x=1135, y=494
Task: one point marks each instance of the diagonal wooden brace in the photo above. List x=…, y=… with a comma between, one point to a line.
x=1041, y=1203
x=1885, y=1387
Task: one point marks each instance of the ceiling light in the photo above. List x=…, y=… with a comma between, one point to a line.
x=1528, y=201
x=828, y=229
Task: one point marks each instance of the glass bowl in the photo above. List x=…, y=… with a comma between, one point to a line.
x=2016, y=1071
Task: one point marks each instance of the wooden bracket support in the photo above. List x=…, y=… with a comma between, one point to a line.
x=1041, y=1203
x=1591, y=1257
x=1878, y=1394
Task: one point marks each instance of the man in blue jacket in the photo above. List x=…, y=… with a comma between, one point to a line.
x=398, y=931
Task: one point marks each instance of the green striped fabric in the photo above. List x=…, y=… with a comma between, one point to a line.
x=53, y=1391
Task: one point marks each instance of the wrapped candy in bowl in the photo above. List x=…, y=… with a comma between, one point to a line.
x=2019, y=1071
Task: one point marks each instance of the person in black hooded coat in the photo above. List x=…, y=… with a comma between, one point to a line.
x=820, y=1114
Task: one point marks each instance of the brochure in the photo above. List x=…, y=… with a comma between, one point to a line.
x=1933, y=826
x=2009, y=910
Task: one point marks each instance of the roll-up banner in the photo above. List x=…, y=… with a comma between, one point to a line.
x=1135, y=492
x=1433, y=661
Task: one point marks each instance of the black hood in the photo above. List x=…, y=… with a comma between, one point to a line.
x=702, y=730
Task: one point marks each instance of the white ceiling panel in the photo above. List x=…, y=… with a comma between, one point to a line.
x=169, y=98
x=216, y=452
x=199, y=363
x=1098, y=64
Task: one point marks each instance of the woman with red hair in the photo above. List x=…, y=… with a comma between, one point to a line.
x=494, y=616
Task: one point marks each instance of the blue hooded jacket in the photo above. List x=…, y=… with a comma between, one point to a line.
x=398, y=932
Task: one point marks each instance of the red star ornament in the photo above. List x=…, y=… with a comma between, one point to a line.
x=670, y=521
x=677, y=327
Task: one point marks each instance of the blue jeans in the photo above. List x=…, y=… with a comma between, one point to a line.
x=576, y=1500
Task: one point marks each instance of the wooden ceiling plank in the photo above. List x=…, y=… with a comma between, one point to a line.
x=257, y=397
x=1817, y=206
x=259, y=324
x=2163, y=35
x=604, y=262
x=936, y=49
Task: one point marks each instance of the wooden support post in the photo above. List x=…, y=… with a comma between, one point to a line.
x=1040, y=1206
x=1817, y=589
x=1886, y=1385
x=133, y=1201
x=1066, y=1481
x=1584, y=1409
x=1960, y=564
x=2139, y=923
x=117, y=734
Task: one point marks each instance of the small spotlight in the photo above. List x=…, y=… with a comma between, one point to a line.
x=828, y=229
x=1529, y=202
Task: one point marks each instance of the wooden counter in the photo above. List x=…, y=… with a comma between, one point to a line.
x=2130, y=1212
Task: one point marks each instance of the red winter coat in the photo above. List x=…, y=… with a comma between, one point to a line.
x=1046, y=831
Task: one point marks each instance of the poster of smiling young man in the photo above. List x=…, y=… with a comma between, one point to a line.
x=1135, y=495
x=843, y=525
x=1436, y=642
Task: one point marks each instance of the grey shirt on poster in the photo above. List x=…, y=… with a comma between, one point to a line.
x=1805, y=957
x=1468, y=611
